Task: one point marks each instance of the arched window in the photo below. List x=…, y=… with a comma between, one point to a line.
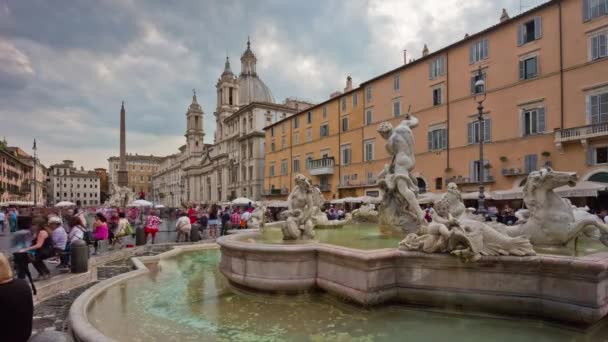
x=421, y=185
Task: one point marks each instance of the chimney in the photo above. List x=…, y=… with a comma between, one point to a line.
x=404, y=56
x=349, y=84
x=504, y=15
x=425, y=50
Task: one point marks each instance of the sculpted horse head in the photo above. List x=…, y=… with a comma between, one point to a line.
x=540, y=184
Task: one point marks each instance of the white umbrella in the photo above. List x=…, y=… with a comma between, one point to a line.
x=140, y=203
x=159, y=206
x=242, y=201
x=64, y=204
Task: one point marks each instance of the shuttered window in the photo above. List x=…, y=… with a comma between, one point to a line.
x=324, y=130
x=528, y=68
x=598, y=108
x=346, y=154
x=533, y=121
x=369, y=150
x=345, y=124
x=369, y=117
x=283, y=167
x=437, y=67
x=478, y=51
x=436, y=96
x=530, y=163
x=438, y=139
x=594, y=8
x=396, y=108
x=599, y=46
x=296, y=165
x=473, y=131
x=529, y=31
x=476, y=169
x=396, y=82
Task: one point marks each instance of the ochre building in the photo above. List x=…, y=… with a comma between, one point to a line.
x=546, y=82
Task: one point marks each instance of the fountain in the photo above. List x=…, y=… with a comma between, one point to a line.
x=471, y=271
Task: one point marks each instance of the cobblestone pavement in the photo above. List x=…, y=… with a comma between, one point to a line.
x=52, y=314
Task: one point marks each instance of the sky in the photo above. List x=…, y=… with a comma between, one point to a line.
x=65, y=65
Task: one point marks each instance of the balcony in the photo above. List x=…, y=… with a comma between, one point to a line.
x=514, y=172
x=581, y=134
x=459, y=180
x=323, y=166
x=357, y=184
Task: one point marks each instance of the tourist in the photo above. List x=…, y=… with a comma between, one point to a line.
x=225, y=221
x=245, y=218
x=192, y=215
x=40, y=250
x=13, y=220
x=152, y=225
x=2, y=218
x=76, y=231
x=183, y=227
x=235, y=219
x=16, y=305
x=213, y=221
x=203, y=221
x=60, y=239
x=122, y=230
x=341, y=214
x=100, y=233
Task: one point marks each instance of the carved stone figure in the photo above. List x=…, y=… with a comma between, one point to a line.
x=365, y=213
x=399, y=207
x=121, y=196
x=467, y=239
x=301, y=206
x=450, y=203
x=550, y=219
x=258, y=217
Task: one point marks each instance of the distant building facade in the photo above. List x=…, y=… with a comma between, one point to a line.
x=234, y=165
x=15, y=175
x=67, y=183
x=104, y=185
x=140, y=169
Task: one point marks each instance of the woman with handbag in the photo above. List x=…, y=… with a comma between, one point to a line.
x=41, y=249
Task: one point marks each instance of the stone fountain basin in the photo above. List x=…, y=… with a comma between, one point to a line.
x=568, y=289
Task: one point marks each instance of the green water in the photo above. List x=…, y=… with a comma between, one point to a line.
x=373, y=236
x=187, y=299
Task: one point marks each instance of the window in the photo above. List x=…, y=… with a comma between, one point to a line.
x=533, y=121
x=345, y=152
x=343, y=101
x=271, y=171
x=296, y=138
x=272, y=148
x=355, y=100
x=296, y=165
x=473, y=131
x=478, y=51
x=530, y=163
x=478, y=89
x=272, y=131
x=309, y=134
x=476, y=170
x=598, y=46
x=368, y=93
x=308, y=160
x=284, y=167
x=309, y=117
x=437, y=67
x=283, y=128
x=324, y=130
x=345, y=124
x=369, y=117
x=438, y=183
x=396, y=108
x=324, y=112
x=283, y=142
x=369, y=150
x=370, y=178
x=594, y=8
x=599, y=155
x=529, y=31
x=438, y=139
x=437, y=96
x=528, y=68
x=396, y=82
x=296, y=122
x=597, y=107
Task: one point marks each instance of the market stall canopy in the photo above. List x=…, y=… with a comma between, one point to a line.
x=17, y=204
x=159, y=206
x=64, y=204
x=242, y=201
x=140, y=203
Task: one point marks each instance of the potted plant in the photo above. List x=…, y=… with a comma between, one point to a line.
x=546, y=154
x=503, y=159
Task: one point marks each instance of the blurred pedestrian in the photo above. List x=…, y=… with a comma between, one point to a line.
x=16, y=305
x=183, y=227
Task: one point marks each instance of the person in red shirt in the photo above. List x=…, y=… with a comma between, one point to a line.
x=235, y=219
x=192, y=215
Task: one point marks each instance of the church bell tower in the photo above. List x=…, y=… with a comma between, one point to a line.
x=194, y=127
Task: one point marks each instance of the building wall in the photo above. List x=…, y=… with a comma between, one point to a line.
x=140, y=171
x=66, y=183
x=507, y=97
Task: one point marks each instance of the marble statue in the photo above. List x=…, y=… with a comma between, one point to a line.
x=365, y=213
x=550, y=219
x=121, y=196
x=467, y=239
x=258, y=217
x=450, y=203
x=399, y=207
x=302, y=203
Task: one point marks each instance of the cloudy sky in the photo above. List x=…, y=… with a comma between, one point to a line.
x=66, y=65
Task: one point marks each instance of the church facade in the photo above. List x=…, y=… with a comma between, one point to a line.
x=233, y=166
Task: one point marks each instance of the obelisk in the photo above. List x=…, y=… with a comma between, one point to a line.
x=123, y=176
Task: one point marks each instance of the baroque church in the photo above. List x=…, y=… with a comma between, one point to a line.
x=233, y=166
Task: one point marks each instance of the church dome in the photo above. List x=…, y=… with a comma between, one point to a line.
x=251, y=87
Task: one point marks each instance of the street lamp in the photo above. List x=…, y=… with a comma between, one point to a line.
x=35, y=148
x=480, y=96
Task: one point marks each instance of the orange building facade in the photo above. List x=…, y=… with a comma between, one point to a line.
x=546, y=84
